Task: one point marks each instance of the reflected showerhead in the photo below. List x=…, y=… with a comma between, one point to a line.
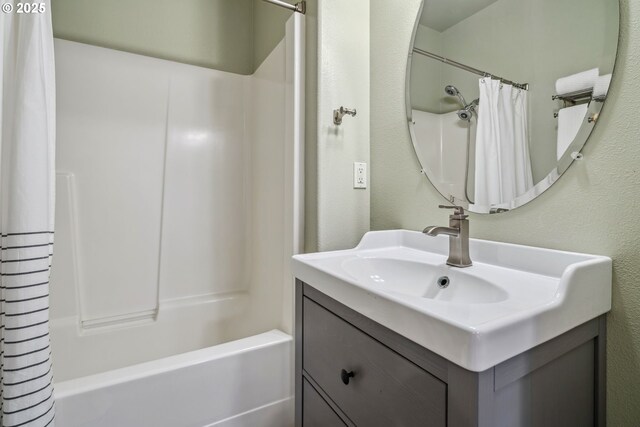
x=451, y=90
x=465, y=114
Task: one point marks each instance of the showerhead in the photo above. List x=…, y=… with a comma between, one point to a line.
x=451, y=90
x=465, y=114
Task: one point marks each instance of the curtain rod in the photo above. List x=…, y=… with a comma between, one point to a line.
x=300, y=7
x=524, y=86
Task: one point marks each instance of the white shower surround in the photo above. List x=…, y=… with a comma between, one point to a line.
x=179, y=204
x=441, y=142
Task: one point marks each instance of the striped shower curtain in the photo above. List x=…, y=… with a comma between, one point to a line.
x=27, y=149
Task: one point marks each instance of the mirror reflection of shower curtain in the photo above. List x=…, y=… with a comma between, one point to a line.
x=503, y=165
x=27, y=151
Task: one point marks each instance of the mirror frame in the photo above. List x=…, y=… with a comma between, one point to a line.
x=572, y=153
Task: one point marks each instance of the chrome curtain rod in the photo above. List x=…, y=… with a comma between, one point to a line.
x=524, y=86
x=300, y=7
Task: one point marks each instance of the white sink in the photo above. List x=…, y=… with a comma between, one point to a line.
x=512, y=298
x=420, y=279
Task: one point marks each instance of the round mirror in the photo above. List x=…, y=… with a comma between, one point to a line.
x=503, y=94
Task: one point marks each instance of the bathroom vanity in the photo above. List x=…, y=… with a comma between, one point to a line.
x=353, y=371
x=377, y=347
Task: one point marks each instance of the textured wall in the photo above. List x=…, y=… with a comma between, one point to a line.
x=343, y=80
x=228, y=35
x=311, y=129
x=592, y=209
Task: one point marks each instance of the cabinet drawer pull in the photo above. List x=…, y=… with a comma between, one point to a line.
x=346, y=375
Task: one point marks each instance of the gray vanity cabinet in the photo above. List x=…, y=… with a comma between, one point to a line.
x=352, y=371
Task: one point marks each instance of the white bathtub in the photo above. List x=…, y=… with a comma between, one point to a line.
x=247, y=382
x=164, y=172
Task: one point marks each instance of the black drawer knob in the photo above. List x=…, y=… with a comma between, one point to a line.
x=346, y=376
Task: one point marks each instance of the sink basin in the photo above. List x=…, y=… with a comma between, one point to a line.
x=512, y=298
x=420, y=279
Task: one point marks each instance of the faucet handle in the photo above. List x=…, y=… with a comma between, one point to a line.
x=457, y=210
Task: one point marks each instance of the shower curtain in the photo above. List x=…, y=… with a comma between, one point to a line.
x=27, y=144
x=503, y=166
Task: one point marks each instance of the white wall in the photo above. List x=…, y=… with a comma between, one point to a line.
x=110, y=151
x=171, y=222
x=266, y=97
x=156, y=155
x=343, y=80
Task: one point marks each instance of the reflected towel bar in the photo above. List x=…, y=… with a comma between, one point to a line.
x=579, y=95
x=574, y=97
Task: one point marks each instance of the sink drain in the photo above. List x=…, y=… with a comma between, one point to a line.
x=443, y=281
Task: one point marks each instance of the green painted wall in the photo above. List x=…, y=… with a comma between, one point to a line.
x=427, y=91
x=269, y=24
x=228, y=35
x=593, y=208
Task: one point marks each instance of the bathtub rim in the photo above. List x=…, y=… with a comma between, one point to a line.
x=138, y=371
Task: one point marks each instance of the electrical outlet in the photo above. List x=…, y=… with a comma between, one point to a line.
x=359, y=175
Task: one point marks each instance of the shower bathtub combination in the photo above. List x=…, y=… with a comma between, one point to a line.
x=246, y=382
x=178, y=206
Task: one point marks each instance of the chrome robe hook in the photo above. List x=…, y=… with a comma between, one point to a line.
x=340, y=113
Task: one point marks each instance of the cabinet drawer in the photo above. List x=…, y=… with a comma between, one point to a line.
x=386, y=389
x=317, y=412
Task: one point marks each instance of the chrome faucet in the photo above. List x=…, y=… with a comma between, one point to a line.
x=458, y=232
